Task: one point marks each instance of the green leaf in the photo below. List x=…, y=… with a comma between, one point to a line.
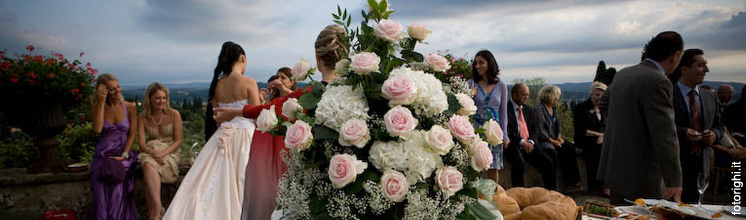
x=335, y=16
x=417, y=57
x=321, y=132
x=344, y=14
x=323, y=216
x=309, y=100
x=339, y=10
x=480, y=212
x=305, y=118
x=453, y=104
x=315, y=206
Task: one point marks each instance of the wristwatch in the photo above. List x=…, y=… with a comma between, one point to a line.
x=126, y=155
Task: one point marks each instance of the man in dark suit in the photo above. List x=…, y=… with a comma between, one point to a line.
x=697, y=120
x=520, y=128
x=640, y=155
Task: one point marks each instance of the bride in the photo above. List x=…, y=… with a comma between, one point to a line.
x=214, y=186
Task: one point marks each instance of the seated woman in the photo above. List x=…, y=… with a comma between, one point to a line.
x=589, y=134
x=112, y=174
x=160, y=136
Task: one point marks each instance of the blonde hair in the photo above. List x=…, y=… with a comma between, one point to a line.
x=549, y=94
x=103, y=79
x=330, y=46
x=597, y=85
x=152, y=88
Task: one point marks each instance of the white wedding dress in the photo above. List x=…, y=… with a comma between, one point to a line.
x=214, y=186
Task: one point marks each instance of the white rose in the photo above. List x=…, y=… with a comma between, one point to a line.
x=492, y=132
x=399, y=121
x=364, y=63
x=354, y=132
x=450, y=180
x=439, y=139
x=461, y=128
x=301, y=70
x=467, y=105
x=394, y=185
x=298, y=136
x=267, y=120
x=290, y=108
x=437, y=63
x=418, y=32
x=341, y=67
x=344, y=168
x=388, y=30
x=482, y=157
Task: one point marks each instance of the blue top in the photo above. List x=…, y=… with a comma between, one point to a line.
x=491, y=104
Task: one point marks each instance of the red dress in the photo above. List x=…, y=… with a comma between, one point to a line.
x=265, y=166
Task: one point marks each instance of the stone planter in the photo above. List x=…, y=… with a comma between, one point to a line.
x=43, y=119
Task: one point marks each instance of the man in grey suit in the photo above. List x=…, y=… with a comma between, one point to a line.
x=640, y=155
x=697, y=120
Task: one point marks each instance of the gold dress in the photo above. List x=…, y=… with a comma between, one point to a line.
x=160, y=139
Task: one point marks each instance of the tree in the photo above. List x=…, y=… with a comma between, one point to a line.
x=603, y=74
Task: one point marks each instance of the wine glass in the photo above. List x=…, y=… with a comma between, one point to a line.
x=702, y=181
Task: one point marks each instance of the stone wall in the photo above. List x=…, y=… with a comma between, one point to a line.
x=26, y=196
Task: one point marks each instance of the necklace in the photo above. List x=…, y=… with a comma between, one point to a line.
x=159, y=120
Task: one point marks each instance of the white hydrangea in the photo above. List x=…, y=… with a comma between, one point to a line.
x=430, y=99
x=339, y=104
x=413, y=157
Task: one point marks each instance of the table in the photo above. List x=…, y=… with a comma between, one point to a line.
x=726, y=216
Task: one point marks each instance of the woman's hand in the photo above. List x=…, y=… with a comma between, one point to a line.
x=120, y=158
x=226, y=114
x=101, y=92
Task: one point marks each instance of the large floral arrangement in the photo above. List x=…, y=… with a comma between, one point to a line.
x=385, y=140
x=50, y=77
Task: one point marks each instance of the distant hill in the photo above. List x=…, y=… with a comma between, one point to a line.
x=188, y=91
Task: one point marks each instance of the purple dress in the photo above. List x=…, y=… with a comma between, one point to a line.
x=114, y=201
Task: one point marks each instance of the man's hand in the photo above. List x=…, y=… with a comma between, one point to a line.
x=673, y=192
x=600, y=139
x=692, y=135
x=708, y=137
x=226, y=114
x=527, y=147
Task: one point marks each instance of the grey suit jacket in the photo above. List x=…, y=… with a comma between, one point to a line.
x=640, y=152
x=709, y=117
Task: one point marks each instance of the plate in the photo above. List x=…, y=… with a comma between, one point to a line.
x=730, y=210
x=76, y=165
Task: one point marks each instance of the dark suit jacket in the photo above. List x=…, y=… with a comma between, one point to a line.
x=709, y=116
x=640, y=150
x=584, y=118
x=513, y=133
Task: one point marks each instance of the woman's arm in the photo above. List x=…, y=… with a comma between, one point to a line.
x=97, y=109
x=132, y=111
x=141, y=134
x=504, y=111
x=178, y=133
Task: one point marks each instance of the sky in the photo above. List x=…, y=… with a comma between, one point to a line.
x=178, y=41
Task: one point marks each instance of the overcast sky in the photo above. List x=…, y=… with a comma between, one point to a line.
x=178, y=41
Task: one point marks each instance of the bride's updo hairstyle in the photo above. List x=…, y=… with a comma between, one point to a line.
x=329, y=45
x=228, y=56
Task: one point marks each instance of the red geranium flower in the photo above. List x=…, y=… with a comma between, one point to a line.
x=71, y=66
x=14, y=78
x=31, y=81
x=59, y=56
x=82, y=53
x=88, y=65
x=30, y=48
x=32, y=75
x=5, y=66
x=51, y=61
x=39, y=58
x=27, y=57
x=2, y=54
x=50, y=75
x=82, y=84
x=75, y=90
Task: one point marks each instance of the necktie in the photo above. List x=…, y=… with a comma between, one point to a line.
x=522, y=124
x=694, y=117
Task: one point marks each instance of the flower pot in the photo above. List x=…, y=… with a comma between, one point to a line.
x=42, y=118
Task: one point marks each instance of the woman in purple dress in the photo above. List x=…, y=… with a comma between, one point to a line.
x=116, y=121
x=492, y=103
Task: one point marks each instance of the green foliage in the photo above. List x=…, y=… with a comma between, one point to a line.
x=17, y=151
x=77, y=142
x=603, y=74
x=460, y=67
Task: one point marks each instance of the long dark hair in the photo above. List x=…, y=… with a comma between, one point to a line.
x=228, y=56
x=492, y=68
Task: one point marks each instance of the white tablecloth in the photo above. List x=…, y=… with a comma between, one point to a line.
x=726, y=215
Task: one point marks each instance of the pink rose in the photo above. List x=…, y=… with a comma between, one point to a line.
x=267, y=120
x=439, y=139
x=399, y=90
x=399, y=121
x=461, y=128
x=492, y=132
x=290, y=108
x=394, y=185
x=481, y=159
x=450, y=180
x=344, y=168
x=388, y=30
x=364, y=63
x=467, y=105
x=301, y=70
x=298, y=136
x=437, y=63
x=354, y=132
x=418, y=32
